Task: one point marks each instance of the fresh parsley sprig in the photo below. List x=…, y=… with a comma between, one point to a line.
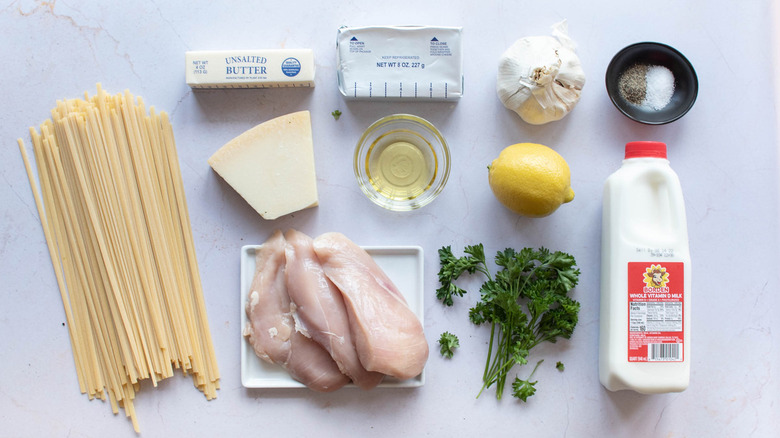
x=523, y=389
x=448, y=342
x=452, y=267
x=526, y=303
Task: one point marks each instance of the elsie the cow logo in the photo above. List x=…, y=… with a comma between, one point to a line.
x=656, y=276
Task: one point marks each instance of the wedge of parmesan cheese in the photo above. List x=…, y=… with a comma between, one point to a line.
x=272, y=165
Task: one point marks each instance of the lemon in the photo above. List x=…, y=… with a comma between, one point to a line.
x=530, y=179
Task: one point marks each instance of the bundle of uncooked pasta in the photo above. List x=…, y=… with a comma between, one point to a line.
x=113, y=211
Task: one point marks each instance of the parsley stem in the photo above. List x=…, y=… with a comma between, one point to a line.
x=484, y=269
x=498, y=376
x=537, y=366
x=490, y=351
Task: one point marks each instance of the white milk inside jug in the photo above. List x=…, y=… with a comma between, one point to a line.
x=645, y=324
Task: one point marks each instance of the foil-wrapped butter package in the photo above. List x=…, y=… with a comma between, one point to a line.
x=400, y=62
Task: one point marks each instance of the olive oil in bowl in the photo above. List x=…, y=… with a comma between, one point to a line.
x=402, y=162
x=401, y=165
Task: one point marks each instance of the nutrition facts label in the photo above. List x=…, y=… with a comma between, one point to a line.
x=655, y=317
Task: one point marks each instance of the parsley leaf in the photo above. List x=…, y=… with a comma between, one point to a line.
x=523, y=389
x=452, y=267
x=448, y=343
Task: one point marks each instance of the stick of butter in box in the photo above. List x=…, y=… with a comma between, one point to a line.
x=273, y=68
x=400, y=62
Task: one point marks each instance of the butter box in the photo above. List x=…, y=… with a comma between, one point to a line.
x=272, y=68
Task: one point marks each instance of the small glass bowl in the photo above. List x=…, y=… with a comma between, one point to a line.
x=402, y=162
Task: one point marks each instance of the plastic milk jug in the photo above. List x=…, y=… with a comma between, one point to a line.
x=645, y=324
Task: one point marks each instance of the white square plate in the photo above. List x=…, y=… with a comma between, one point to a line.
x=404, y=266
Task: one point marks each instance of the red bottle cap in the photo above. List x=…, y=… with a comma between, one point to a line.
x=649, y=149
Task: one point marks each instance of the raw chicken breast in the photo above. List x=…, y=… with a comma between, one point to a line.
x=321, y=310
x=270, y=322
x=271, y=327
x=388, y=336
x=311, y=365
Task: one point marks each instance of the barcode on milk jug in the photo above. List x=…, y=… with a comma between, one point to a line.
x=663, y=352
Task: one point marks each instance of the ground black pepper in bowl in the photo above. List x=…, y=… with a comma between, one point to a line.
x=633, y=85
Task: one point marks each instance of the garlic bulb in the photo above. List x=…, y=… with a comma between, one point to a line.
x=541, y=78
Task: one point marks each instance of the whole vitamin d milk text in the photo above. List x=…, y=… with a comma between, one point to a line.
x=645, y=331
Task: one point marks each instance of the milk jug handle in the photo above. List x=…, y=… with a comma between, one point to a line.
x=676, y=199
x=670, y=183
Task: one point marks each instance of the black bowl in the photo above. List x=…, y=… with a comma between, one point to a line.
x=686, y=84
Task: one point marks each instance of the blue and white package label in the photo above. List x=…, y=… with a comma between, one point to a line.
x=400, y=62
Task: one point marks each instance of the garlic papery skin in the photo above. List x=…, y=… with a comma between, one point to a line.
x=541, y=77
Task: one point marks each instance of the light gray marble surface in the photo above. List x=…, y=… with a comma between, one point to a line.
x=724, y=150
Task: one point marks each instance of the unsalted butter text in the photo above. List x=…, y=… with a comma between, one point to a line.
x=246, y=69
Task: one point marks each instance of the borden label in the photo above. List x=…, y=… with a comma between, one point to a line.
x=655, y=312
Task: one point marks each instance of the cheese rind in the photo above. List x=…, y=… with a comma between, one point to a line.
x=272, y=68
x=272, y=165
